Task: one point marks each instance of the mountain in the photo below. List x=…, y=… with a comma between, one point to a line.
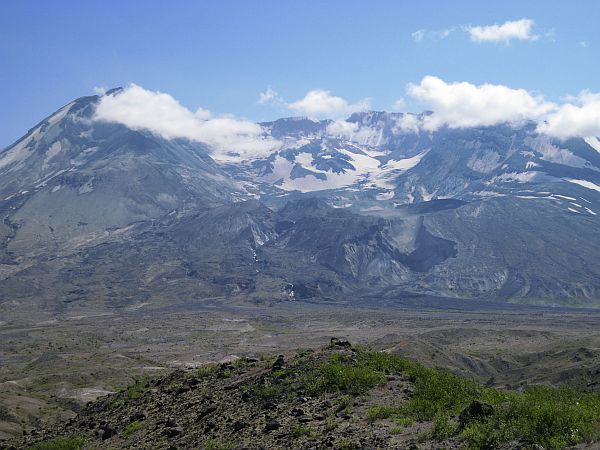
x=363, y=210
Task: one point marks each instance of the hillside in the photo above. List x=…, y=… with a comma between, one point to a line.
x=333, y=397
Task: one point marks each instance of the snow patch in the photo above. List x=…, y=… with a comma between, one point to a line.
x=585, y=184
x=385, y=195
x=593, y=142
x=564, y=197
x=519, y=177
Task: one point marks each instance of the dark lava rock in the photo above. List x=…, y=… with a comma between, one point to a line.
x=206, y=411
x=297, y=412
x=279, y=363
x=173, y=432
x=238, y=425
x=182, y=389
x=107, y=433
x=272, y=425
x=138, y=416
x=170, y=423
x=338, y=343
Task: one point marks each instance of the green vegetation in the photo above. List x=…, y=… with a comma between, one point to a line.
x=213, y=444
x=61, y=443
x=347, y=444
x=380, y=412
x=339, y=374
x=269, y=392
x=135, y=391
x=205, y=371
x=551, y=417
x=401, y=423
x=132, y=428
x=302, y=430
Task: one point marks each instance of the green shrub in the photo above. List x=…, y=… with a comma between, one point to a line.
x=135, y=391
x=205, y=371
x=346, y=377
x=60, y=443
x=442, y=427
x=380, y=412
x=549, y=417
x=213, y=444
x=347, y=444
x=132, y=428
x=302, y=430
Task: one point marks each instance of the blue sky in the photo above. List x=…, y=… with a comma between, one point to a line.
x=221, y=55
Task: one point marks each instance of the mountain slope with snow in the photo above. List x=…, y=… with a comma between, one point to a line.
x=364, y=208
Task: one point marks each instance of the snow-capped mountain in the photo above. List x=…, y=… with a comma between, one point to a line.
x=368, y=207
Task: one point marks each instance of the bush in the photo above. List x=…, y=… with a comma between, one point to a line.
x=549, y=417
x=354, y=379
x=205, y=371
x=135, y=391
x=61, y=443
x=213, y=444
x=380, y=412
x=302, y=430
x=132, y=428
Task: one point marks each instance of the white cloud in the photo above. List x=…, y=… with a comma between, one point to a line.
x=583, y=44
x=141, y=109
x=569, y=120
x=461, y=105
x=516, y=29
x=437, y=35
x=408, y=123
x=319, y=103
x=270, y=96
x=351, y=131
x=434, y=35
x=99, y=90
x=418, y=35
x=399, y=104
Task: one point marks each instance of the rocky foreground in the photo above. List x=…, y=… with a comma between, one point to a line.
x=335, y=397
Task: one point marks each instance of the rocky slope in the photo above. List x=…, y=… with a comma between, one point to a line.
x=336, y=397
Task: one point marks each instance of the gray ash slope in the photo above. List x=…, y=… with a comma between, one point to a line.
x=94, y=213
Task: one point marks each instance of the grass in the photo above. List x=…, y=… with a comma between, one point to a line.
x=375, y=413
x=549, y=417
x=135, y=391
x=206, y=371
x=347, y=444
x=213, y=444
x=132, y=428
x=302, y=430
x=267, y=393
x=338, y=374
x=61, y=443
x=401, y=423
x=553, y=418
